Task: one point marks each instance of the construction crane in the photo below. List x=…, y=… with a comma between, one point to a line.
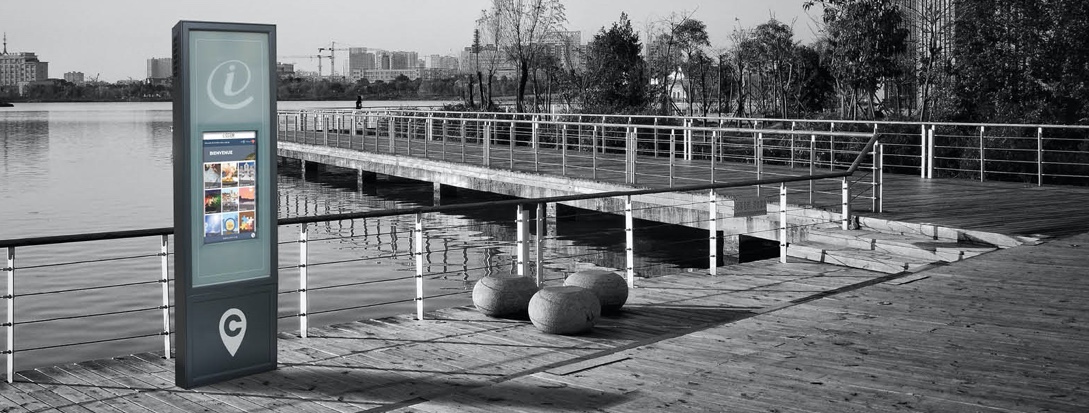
x=309, y=56
x=332, y=57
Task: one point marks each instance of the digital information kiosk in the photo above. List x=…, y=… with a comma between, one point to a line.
x=224, y=201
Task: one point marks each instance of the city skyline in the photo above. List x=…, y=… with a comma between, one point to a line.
x=75, y=37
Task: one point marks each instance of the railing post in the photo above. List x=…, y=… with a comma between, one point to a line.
x=812, y=163
x=593, y=151
x=487, y=143
x=10, y=297
x=442, y=138
x=878, y=176
x=672, y=154
x=164, y=283
x=325, y=128
x=563, y=150
x=655, y=137
x=982, y=155
x=793, y=125
x=759, y=159
x=428, y=135
x=535, y=141
x=392, y=134
x=629, y=241
x=1039, y=156
x=714, y=153
x=688, y=138
x=419, y=267
x=930, y=153
x=522, y=245
x=832, y=148
x=304, y=306
x=712, y=229
x=922, y=151
x=538, y=262
x=634, y=150
x=782, y=223
x=512, y=140
x=846, y=207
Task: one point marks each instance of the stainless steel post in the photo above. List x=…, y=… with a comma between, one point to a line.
x=522, y=245
x=303, y=258
x=629, y=241
x=712, y=229
x=538, y=262
x=672, y=154
x=419, y=267
x=846, y=207
x=812, y=164
x=164, y=283
x=563, y=150
x=782, y=223
x=982, y=155
x=10, y=297
x=1039, y=156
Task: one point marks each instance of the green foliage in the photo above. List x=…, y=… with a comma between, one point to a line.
x=867, y=39
x=615, y=71
x=1023, y=61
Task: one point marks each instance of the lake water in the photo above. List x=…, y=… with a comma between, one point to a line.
x=68, y=168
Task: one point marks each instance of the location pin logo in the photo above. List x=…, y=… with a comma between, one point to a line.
x=232, y=328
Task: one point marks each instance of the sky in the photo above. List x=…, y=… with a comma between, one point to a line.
x=113, y=39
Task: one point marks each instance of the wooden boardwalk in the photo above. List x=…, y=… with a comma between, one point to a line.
x=1004, y=331
x=1007, y=208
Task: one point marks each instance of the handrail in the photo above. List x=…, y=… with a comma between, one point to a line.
x=99, y=236
x=722, y=118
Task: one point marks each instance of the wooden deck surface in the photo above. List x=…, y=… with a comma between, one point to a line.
x=1004, y=331
x=1001, y=207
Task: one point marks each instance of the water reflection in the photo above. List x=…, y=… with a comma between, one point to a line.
x=24, y=149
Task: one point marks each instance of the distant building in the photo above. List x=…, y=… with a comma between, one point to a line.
x=487, y=59
x=159, y=71
x=18, y=70
x=387, y=75
x=285, y=70
x=403, y=60
x=441, y=62
x=75, y=78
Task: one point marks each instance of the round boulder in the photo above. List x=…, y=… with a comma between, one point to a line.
x=609, y=287
x=503, y=296
x=564, y=310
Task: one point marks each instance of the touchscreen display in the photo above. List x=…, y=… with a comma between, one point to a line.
x=230, y=186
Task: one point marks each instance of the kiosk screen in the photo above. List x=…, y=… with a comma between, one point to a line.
x=230, y=186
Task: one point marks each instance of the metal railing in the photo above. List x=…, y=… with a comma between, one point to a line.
x=1039, y=154
x=638, y=151
x=530, y=249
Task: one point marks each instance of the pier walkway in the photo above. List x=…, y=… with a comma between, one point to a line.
x=1008, y=208
x=1004, y=331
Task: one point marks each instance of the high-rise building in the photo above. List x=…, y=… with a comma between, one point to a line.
x=159, y=70
x=403, y=60
x=76, y=78
x=931, y=26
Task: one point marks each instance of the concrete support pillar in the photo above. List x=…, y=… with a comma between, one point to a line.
x=302, y=168
x=437, y=194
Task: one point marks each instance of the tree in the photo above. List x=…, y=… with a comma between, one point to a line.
x=678, y=40
x=616, y=72
x=525, y=24
x=774, y=44
x=1023, y=61
x=866, y=39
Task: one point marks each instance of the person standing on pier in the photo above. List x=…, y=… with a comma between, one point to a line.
x=359, y=102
